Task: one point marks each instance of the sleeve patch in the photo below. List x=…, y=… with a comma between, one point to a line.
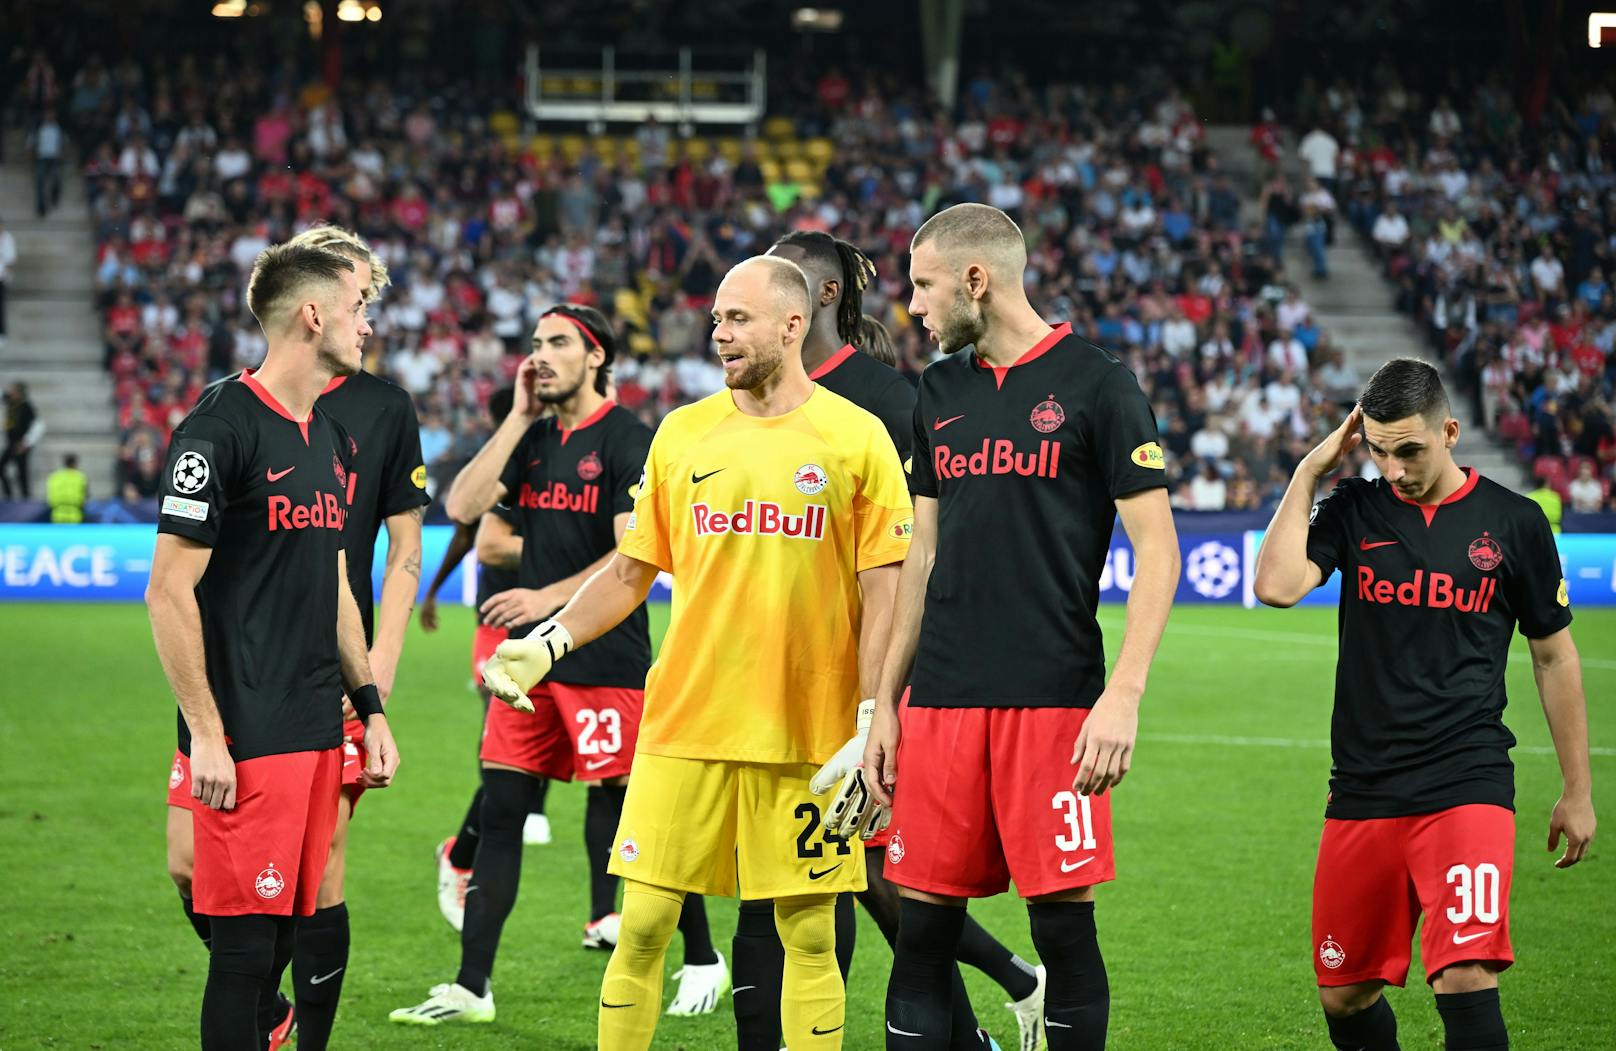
x=191, y=472
x=905, y=529
x=418, y=476
x=197, y=511
x=1563, y=596
x=1149, y=455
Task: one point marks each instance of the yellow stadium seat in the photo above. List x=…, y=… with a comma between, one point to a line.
x=631, y=308
x=770, y=170
x=779, y=128
x=540, y=145
x=820, y=151
x=503, y=122
x=787, y=150
x=553, y=86
x=809, y=190
x=584, y=87
x=730, y=149
x=572, y=146
x=640, y=344
x=703, y=89
x=799, y=171
x=697, y=149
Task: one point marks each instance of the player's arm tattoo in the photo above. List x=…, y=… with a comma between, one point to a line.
x=412, y=565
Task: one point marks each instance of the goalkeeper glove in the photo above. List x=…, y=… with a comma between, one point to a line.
x=518, y=664
x=853, y=811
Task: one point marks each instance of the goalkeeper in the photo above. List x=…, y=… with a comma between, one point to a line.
x=782, y=512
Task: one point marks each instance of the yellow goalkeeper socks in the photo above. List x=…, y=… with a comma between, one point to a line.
x=813, y=1000
x=631, y=993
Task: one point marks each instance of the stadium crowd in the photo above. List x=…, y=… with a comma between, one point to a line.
x=1498, y=236
x=1134, y=232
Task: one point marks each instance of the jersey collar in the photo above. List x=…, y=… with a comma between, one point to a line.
x=831, y=363
x=275, y=406
x=593, y=418
x=336, y=381
x=1039, y=349
x=1472, y=476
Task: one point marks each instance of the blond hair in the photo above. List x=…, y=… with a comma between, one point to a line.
x=345, y=242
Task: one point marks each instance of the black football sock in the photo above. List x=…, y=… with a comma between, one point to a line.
x=759, y=962
x=271, y=1004
x=319, y=964
x=920, y=992
x=846, y=932
x=1372, y=1029
x=881, y=898
x=603, y=809
x=1077, y=995
x=983, y=951
x=465, y=844
x=241, y=963
x=1474, y=1021
x=497, y=870
x=541, y=796
x=199, y=924
x=693, y=929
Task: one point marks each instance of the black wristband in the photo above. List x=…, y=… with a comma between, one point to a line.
x=366, y=701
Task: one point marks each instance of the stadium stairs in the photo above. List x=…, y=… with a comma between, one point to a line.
x=54, y=339
x=1354, y=305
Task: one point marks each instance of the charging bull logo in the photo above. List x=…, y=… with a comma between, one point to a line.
x=340, y=471
x=1485, y=554
x=589, y=468
x=269, y=883
x=810, y=479
x=1047, y=415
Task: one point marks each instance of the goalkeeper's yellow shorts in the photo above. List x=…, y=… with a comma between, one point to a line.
x=711, y=827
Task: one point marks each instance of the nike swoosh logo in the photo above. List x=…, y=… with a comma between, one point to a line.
x=697, y=479
x=534, y=463
x=317, y=979
x=1459, y=939
x=741, y=989
x=604, y=1004
x=1365, y=545
x=1056, y=1025
x=1067, y=866
x=938, y=424
x=276, y=476
x=596, y=764
x=826, y=1032
x=817, y=875
x=901, y=1032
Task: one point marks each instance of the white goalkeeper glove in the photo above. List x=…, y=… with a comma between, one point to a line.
x=518, y=664
x=853, y=811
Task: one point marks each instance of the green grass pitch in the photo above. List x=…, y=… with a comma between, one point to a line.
x=1205, y=931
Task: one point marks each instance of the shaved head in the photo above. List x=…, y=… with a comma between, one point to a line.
x=785, y=280
x=975, y=233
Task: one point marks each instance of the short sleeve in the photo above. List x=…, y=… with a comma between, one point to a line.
x=1327, y=529
x=403, y=481
x=627, y=462
x=1123, y=435
x=199, y=479
x=883, y=519
x=649, y=533
x=922, y=472
x=1534, y=580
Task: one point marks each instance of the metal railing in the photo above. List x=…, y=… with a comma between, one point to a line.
x=609, y=93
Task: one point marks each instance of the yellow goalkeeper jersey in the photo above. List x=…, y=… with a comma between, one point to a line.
x=765, y=524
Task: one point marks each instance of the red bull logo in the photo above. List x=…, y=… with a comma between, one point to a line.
x=810, y=479
x=761, y=519
x=323, y=512
x=1438, y=592
x=999, y=456
x=1047, y=415
x=557, y=497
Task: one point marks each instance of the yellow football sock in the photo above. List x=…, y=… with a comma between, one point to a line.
x=631, y=993
x=812, y=999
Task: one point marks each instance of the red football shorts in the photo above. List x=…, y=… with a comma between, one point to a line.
x=985, y=796
x=266, y=857
x=483, y=645
x=1376, y=876
x=584, y=733
x=353, y=764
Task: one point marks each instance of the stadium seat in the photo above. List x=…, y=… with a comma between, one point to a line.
x=641, y=344
x=787, y=150
x=820, y=151
x=503, y=123
x=799, y=171
x=729, y=148
x=696, y=149
x=779, y=128
x=628, y=305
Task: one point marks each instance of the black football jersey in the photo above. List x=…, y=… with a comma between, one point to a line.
x=564, y=488
x=878, y=389
x=268, y=493
x=388, y=478
x=1430, y=596
x=1026, y=463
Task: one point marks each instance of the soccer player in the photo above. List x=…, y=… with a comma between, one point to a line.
x=838, y=273
x=1420, y=815
x=386, y=485
x=455, y=854
x=259, y=634
x=780, y=510
x=1027, y=448
x=568, y=480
